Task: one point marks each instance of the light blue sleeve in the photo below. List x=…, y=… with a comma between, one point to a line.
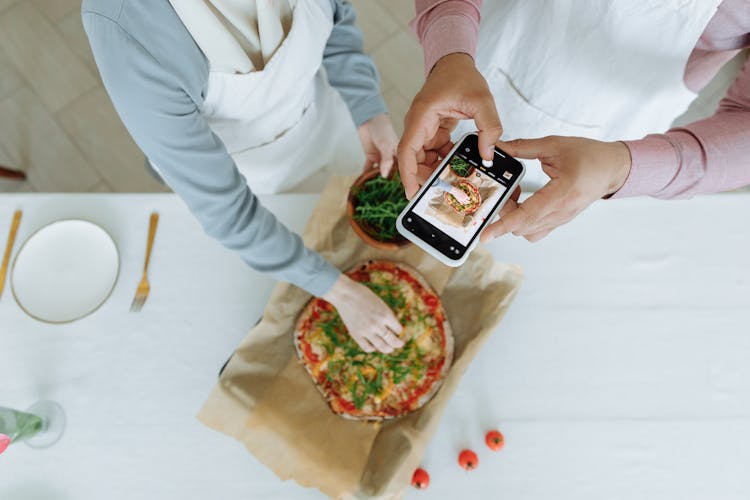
x=168, y=127
x=349, y=70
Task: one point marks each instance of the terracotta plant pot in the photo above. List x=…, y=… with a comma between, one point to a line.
x=362, y=230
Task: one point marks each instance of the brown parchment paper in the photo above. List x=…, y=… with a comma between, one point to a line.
x=266, y=399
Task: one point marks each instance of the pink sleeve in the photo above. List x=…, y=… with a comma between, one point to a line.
x=445, y=27
x=706, y=156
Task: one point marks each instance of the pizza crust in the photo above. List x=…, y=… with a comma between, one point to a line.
x=425, y=398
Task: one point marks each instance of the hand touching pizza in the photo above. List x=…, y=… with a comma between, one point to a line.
x=370, y=322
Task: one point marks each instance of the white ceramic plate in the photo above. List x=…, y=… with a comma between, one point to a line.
x=65, y=271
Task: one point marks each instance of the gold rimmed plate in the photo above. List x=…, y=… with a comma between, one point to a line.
x=64, y=271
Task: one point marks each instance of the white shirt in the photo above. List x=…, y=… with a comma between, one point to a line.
x=237, y=36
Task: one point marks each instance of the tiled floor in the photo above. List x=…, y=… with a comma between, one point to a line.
x=56, y=121
x=57, y=124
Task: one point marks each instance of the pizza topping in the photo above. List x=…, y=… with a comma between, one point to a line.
x=377, y=384
x=309, y=354
x=364, y=371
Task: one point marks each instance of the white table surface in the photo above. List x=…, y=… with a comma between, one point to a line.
x=622, y=370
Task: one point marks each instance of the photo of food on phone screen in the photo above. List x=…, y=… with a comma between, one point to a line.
x=459, y=199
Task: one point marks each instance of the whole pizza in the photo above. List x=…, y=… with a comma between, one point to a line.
x=378, y=386
x=475, y=200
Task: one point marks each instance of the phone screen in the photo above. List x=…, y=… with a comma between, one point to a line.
x=452, y=211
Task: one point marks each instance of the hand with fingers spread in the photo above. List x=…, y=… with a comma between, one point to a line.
x=370, y=322
x=379, y=142
x=454, y=90
x=581, y=171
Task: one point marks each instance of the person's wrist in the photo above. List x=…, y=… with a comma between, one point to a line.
x=339, y=290
x=377, y=122
x=364, y=127
x=621, y=162
x=453, y=59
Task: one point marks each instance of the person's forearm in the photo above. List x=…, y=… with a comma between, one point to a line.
x=446, y=27
x=168, y=127
x=706, y=156
x=349, y=69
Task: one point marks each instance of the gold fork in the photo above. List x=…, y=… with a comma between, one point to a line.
x=9, y=248
x=141, y=294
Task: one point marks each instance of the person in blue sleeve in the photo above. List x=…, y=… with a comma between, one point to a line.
x=232, y=98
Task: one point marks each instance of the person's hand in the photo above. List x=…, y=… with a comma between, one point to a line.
x=370, y=322
x=581, y=170
x=454, y=90
x=379, y=142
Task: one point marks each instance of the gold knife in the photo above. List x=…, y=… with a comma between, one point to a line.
x=9, y=247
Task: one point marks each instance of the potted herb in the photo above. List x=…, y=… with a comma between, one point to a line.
x=373, y=206
x=461, y=167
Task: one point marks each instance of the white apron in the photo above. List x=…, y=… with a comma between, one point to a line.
x=285, y=123
x=604, y=69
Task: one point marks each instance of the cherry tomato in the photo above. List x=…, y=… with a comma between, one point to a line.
x=420, y=480
x=4, y=442
x=468, y=460
x=494, y=440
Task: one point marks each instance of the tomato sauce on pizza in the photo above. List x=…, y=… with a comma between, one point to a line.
x=378, y=386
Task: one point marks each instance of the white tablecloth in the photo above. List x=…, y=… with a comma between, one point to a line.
x=622, y=370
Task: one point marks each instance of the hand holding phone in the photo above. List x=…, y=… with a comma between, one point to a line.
x=447, y=215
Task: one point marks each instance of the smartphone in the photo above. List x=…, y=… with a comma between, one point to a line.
x=460, y=198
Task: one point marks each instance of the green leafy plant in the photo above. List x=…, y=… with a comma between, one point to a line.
x=378, y=202
x=461, y=167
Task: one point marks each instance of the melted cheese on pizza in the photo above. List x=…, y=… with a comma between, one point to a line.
x=377, y=384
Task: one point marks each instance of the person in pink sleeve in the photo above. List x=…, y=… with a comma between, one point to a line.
x=593, y=80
